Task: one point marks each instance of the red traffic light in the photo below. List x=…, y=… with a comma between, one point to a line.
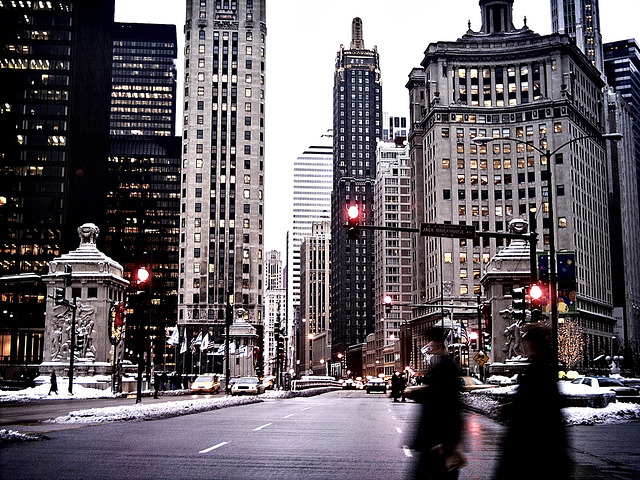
x=142, y=275
x=535, y=292
x=354, y=212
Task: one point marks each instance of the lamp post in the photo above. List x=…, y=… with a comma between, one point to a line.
x=553, y=277
x=142, y=282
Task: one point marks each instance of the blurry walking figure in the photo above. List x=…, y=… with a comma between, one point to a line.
x=535, y=445
x=54, y=384
x=438, y=433
x=397, y=386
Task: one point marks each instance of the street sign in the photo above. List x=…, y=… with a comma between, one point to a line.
x=480, y=358
x=449, y=231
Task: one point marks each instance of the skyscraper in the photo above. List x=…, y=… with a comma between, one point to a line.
x=500, y=82
x=143, y=204
x=357, y=125
x=55, y=71
x=580, y=19
x=393, y=273
x=221, y=222
x=312, y=185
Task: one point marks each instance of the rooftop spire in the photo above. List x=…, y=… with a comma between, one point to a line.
x=357, y=43
x=497, y=16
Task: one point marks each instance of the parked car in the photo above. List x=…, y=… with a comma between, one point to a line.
x=468, y=384
x=613, y=384
x=206, y=384
x=247, y=385
x=376, y=385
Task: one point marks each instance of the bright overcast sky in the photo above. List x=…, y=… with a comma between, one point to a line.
x=303, y=37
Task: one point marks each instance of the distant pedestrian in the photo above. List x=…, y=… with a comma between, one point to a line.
x=163, y=380
x=185, y=382
x=156, y=384
x=535, y=445
x=440, y=426
x=54, y=384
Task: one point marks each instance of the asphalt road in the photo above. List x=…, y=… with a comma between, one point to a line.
x=339, y=435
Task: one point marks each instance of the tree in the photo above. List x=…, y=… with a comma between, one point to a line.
x=570, y=343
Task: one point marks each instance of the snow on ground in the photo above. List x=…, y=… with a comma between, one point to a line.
x=613, y=413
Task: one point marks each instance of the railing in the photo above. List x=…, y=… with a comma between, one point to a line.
x=304, y=384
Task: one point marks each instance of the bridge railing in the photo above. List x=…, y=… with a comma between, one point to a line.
x=304, y=384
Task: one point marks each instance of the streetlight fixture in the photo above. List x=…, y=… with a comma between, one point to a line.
x=553, y=280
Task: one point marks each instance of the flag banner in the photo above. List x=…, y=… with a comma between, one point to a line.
x=205, y=342
x=198, y=340
x=220, y=350
x=183, y=347
x=232, y=347
x=242, y=351
x=174, y=339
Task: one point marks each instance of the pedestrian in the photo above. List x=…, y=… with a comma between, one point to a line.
x=535, y=445
x=396, y=386
x=185, y=381
x=156, y=384
x=54, y=384
x=163, y=380
x=440, y=424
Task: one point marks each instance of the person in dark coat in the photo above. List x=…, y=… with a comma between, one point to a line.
x=440, y=425
x=54, y=384
x=397, y=386
x=535, y=445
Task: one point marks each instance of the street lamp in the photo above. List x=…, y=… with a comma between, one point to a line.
x=553, y=280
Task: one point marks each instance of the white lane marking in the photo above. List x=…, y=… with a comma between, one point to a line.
x=207, y=450
x=261, y=427
x=287, y=416
x=308, y=408
x=407, y=451
x=398, y=430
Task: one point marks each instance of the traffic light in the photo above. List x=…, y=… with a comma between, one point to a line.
x=535, y=297
x=280, y=348
x=354, y=222
x=473, y=340
x=58, y=296
x=142, y=275
x=388, y=303
x=486, y=340
x=518, y=304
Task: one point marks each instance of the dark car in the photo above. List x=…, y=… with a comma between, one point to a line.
x=376, y=385
x=622, y=392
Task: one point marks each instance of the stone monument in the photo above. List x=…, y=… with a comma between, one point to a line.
x=94, y=284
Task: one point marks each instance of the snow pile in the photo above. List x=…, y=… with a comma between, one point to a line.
x=11, y=436
x=486, y=402
x=141, y=411
x=41, y=392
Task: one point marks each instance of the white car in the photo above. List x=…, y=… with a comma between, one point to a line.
x=246, y=386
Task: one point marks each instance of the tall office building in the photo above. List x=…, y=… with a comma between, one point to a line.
x=393, y=272
x=55, y=71
x=221, y=220
x=143, y=90
x=314, y=291
x=622, y=68
x=275, y=307
x=507, y=82
x=580, y=19
x=143, y=204
x=312, y=185
x=624, y=221
x=357, y=125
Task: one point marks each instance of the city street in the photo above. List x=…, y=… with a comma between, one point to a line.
x=341, y=435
